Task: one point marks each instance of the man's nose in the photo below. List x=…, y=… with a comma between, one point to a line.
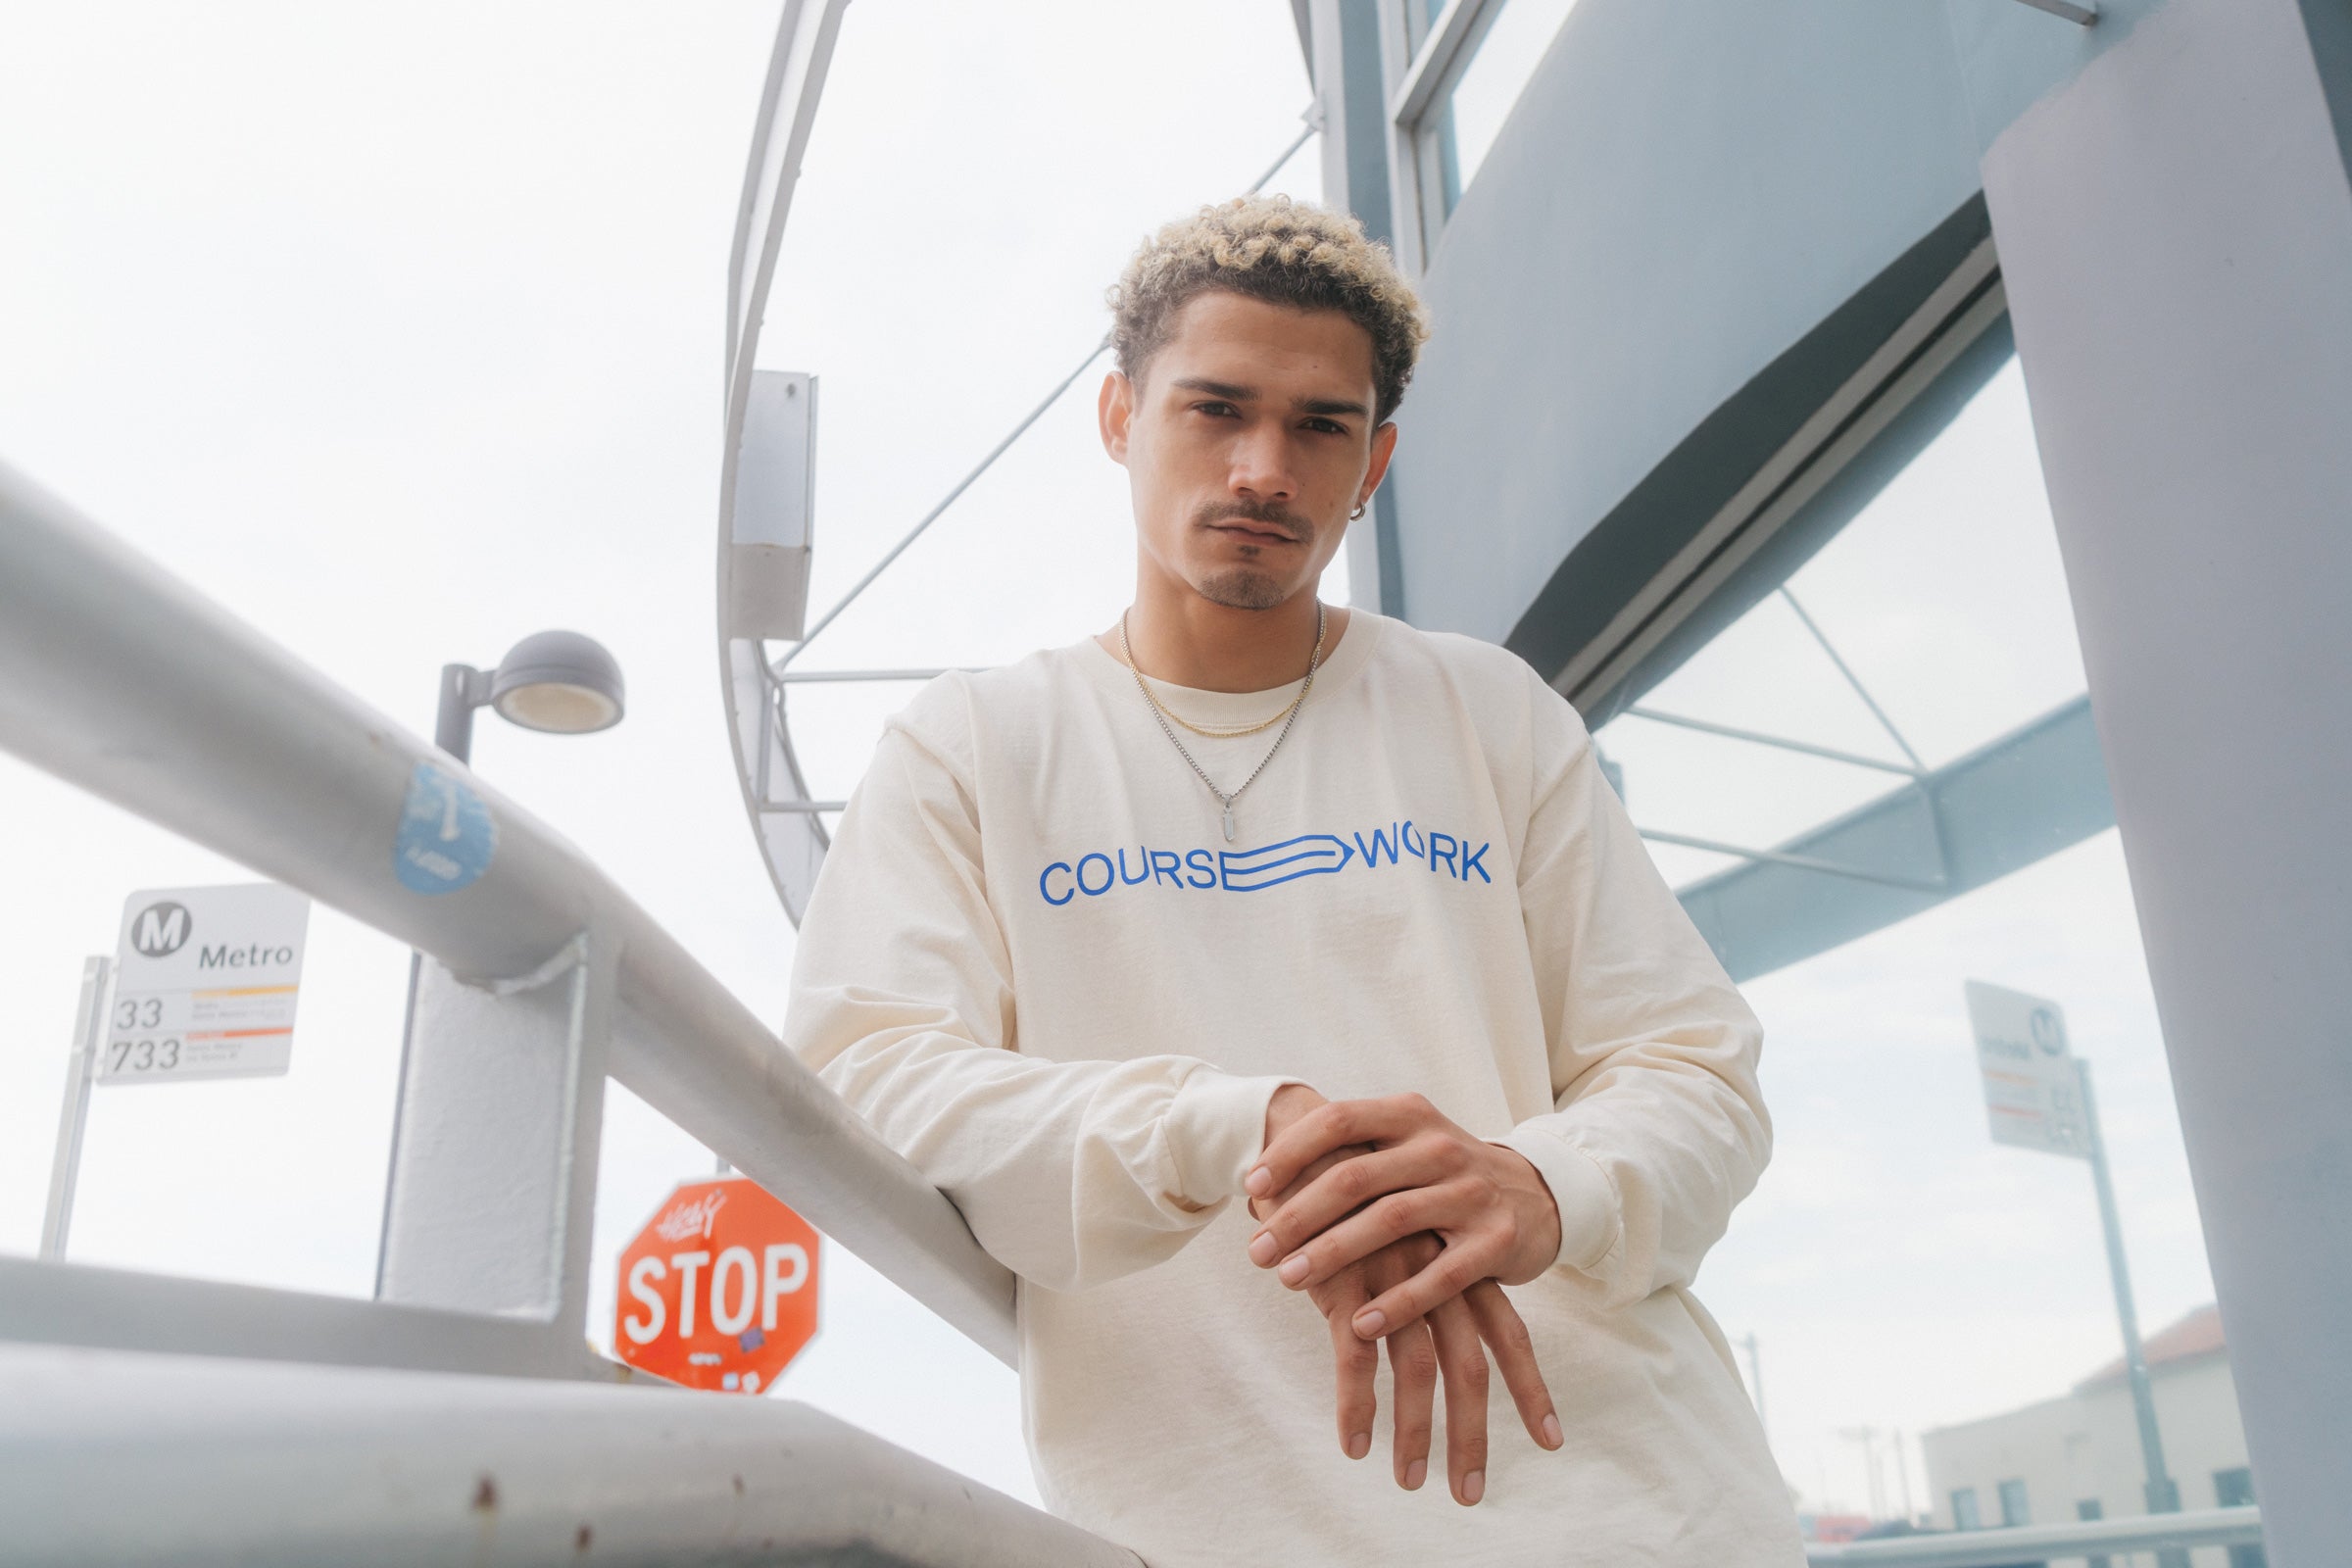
x=1261, y=464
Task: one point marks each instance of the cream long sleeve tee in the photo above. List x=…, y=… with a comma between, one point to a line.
x=1036, y=965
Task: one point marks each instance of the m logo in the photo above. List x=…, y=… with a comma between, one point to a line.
x=160, y=929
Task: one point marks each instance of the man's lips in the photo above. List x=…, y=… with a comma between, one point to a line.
x=1255, y=530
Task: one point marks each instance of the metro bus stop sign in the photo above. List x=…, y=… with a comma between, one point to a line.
x=719, y=1289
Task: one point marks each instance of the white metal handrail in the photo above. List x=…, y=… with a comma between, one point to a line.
x=120, y=679
x=118, y=1458
x=1991, y=1548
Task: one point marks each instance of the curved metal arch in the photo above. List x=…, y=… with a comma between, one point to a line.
x=792, y=844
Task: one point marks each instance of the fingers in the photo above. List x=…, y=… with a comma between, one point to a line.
x=1413, y=1374
x=1355, y=1361
x=1506, y=1336
x=1263, y=1209
x=1329, y=1126
x=1462, y=1361
x=1343, y=1187
x=1392, y=1218
x=1455, y=1270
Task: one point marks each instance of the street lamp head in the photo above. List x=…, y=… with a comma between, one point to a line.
x=557, y=681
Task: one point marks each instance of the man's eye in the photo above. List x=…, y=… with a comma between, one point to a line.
x=1218, y=408
x=1327, y=426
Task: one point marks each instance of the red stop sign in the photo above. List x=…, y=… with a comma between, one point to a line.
x=719, y=1289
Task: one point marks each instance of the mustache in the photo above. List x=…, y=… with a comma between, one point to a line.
x=1271, y=517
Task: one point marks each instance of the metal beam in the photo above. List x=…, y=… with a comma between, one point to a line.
x=1445, y=54
x=129, y=1460
x=1851, y=679
x=1997, y=810
x=1780, y=741
x=1801, y=862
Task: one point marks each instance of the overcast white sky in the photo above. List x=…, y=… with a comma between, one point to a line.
x=396, y=329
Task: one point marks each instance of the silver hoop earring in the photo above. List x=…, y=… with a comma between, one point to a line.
x=1357, y=513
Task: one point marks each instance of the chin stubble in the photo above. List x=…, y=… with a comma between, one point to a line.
x=1242, y=587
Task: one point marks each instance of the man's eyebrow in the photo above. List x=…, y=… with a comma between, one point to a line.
x=1245, y=394
x=1217, y=389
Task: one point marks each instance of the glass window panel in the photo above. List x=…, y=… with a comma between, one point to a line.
x=1482, y=98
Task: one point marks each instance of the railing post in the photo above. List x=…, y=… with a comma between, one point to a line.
x=90, y=1030
x=493, y=1185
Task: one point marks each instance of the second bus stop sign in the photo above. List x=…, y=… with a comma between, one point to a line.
x=719, y=1289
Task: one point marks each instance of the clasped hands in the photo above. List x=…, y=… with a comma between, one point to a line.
x=1397, y=1225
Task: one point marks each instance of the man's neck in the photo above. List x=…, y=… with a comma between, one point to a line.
x=1186, y=640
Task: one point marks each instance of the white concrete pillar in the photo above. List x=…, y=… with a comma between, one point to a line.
x=2175, y=227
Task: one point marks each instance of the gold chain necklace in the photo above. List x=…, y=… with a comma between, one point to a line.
x=1223, y=732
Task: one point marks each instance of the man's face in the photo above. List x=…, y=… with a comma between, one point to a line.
x=1247, y=443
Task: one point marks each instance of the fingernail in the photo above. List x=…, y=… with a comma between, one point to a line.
x=1293, y=1270
x=1263, y=1248
x=1474, y=1486
x=1414, y=1474
x=1552, y=1432
x=1359, y=1445
x=1369, y=1322
x=1258, y=1181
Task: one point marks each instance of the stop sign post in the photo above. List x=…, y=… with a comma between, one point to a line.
x=719, y=1289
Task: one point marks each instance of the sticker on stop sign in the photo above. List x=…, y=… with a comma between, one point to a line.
x=719, y=1289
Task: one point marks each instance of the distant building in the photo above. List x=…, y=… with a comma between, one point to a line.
x=2078, y=1456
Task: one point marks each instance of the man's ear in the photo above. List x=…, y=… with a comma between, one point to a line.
x=1114, y=408
x=1384, y=447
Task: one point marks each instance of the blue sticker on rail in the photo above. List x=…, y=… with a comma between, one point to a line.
x=446, y=836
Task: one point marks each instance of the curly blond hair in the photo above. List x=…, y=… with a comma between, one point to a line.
x=1286, y=253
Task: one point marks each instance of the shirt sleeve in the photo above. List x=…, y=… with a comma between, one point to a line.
x=1658, y=1127
x=1070, y=1173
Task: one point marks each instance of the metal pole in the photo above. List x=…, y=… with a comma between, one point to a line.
x=2163, y=1495
x=89, y=1025
x=453, y=722
x=453, y=732
x=1853, y=680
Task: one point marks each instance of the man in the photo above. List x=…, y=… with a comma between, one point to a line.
x=1254, y=951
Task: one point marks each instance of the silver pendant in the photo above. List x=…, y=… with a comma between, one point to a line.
x=1229, y=824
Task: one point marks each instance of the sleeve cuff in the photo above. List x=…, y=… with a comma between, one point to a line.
x=1579, y=1189
x=1215, y=1130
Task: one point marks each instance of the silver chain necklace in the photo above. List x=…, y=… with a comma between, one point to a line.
x=1223, y=798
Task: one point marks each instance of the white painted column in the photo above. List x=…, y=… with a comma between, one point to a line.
x=2175, y=229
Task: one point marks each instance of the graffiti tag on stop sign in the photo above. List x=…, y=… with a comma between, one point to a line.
x=719, y=1289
